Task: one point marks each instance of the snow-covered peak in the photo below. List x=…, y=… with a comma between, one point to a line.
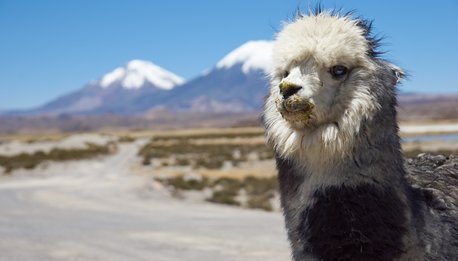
x=253, y=55
x=135, y=73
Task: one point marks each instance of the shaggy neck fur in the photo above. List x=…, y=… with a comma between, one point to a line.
x=341, y=173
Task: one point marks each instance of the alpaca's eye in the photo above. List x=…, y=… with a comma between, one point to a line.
x=285, y=74
x=338, y=71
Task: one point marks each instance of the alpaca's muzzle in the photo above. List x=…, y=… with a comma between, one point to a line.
x=296, y=108
x=288, y=89
x=298, y=104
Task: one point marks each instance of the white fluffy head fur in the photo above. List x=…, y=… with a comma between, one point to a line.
x=304, y=54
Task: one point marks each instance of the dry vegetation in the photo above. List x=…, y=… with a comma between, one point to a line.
x=250, y=192
x=31, y=160
x=227, y=166
x=211, y=162
x=210, y=151
x=214, y=151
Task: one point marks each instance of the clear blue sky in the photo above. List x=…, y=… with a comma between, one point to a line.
x=49, y=48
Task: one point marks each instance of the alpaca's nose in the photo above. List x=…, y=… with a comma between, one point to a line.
x=287, y=89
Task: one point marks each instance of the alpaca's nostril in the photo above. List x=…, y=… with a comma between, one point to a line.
x=287, y=89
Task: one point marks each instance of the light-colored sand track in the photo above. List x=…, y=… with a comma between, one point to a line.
x=99, y=210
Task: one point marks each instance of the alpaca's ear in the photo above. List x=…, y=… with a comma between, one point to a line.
x=398, y=73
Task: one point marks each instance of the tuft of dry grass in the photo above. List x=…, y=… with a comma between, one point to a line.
x=260, y=202
x=126, y=139
x=224, y=197
x=182, y=183
x=260, y=191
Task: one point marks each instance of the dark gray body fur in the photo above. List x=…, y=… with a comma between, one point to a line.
x=376, y=215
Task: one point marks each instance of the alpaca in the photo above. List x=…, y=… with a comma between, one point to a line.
x=331, y=118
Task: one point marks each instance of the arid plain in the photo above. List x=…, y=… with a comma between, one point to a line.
x=140, y=195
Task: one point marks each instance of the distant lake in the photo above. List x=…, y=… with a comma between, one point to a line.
x=442, y=137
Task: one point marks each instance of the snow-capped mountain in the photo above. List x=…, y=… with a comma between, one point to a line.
x=237, y=83
x=137, y=73
x=115, y=91
x=252, y=56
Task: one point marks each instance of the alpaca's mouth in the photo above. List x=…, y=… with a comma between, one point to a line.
x=295, y=109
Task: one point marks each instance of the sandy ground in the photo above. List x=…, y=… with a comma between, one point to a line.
x=431, y=146
x=79, y=141
x=109, y=208
x=100, y=210
x=417, y=129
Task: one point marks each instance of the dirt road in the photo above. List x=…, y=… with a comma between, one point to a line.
x=98, y=210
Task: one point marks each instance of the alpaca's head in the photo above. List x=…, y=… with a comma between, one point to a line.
x=326, y=80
